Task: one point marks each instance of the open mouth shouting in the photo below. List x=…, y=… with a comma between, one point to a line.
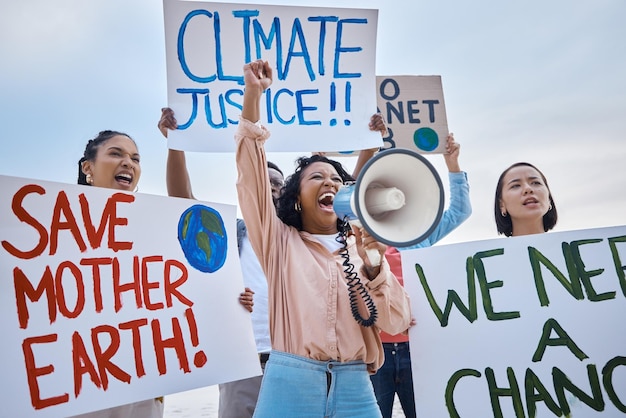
x=125, y=180
x=325, y=202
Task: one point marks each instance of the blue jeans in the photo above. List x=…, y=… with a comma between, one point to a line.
x=393, y=377
x=298, y=387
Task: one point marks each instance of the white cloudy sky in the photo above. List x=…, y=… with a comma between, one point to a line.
x=538, y=81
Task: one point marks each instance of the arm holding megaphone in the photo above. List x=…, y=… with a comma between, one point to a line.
x=373, y=255
x=377, y=123
x=370, y=251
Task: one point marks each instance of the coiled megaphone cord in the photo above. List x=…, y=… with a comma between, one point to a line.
x=355, y=286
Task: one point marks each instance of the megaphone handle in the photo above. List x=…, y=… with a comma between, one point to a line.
x=372, y=254
x=374, y=257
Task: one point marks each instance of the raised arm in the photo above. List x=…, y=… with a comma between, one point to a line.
x=258, y=77
x=177, y=176
x=451, y=155
x=376, y=124
x=253, y=186
x=460, y=207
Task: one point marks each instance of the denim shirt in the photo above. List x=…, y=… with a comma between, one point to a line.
x=460, y=209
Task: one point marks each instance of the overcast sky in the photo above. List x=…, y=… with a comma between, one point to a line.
x=537, y=81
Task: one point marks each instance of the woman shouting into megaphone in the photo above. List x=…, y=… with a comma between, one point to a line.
x=327, y=303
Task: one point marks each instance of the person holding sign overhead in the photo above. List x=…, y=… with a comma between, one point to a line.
x=111, y=160
x=237, y=399
x=322, y=350
x=179, y=183
x=523, y=203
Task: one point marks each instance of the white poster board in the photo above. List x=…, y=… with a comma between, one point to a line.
x=530, y=326
x=323, y=62
x=109, y=298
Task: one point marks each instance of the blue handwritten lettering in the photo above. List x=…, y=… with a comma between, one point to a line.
x=302, y=108
x=218, y=53
x=236, y=105
x=297, y=33
x=431, y=109
x=259, y=35
x=194, y=105
x=341, y=49
x=209, y=114
x=181, y=47
x=246, y=15
x=275, y=107
x=322, y=40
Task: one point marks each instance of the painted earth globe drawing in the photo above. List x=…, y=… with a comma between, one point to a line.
x=426, y=139
x=203, y=238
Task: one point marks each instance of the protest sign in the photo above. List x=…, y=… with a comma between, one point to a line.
x=529, y=326
x=109, y=298
x=323, y=62
x=414, y=112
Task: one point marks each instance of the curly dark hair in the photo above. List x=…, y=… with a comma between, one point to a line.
x=91, y=149
x=504, y=223
x=290, y=192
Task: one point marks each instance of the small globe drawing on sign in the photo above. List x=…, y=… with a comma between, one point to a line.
x=426, y=139
x=202, y=237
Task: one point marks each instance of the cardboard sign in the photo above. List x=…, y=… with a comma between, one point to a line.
x=109, y=298
x=414, y=112
x=529, y=326
x=323, y=64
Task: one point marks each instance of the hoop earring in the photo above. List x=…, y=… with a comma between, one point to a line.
x=503, y=214
x=136, y=189
x=297, y=207
x=89, y=179
x=550, y=207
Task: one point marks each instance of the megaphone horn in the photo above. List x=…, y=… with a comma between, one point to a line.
x=398, y=198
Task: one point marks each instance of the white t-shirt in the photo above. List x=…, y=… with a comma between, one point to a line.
x=254, y=278
x=329, y=241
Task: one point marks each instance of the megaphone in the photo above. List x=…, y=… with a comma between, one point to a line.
x=398, y=198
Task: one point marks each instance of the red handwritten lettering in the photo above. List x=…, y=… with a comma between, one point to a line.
x=95, y=264
x=171, y=287
x=62, y=206
x=60, y=292
x=199, y=359
x=103, y=357
x=94, y=236
x=63, y=219
x=147, y=285
x=24, y=216
x=177, y=342
x=107, y=343
x=134, y=327
x=110, y=212
x=33, y=372
x=82, y=364
x=55, y=286
x=24, y=289
x=134, y=286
